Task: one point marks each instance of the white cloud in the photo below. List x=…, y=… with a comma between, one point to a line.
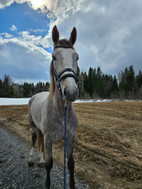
x=6, y=35
x=36, y=40
x=108, y=32
x=6, y=3
x=37, y=30
x=13, y=28
x=23, y=58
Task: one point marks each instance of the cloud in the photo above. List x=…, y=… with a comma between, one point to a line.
x=6, y=3
x=23, y=58
x=109, y=32
x=13, y=28
x=6, y=35
x=37, y=31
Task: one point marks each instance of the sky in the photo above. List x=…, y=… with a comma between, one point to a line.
x=109, y=35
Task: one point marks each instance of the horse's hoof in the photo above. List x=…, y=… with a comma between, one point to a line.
x=41, y=164
x=30, y=163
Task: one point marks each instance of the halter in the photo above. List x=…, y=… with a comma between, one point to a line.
x=59, y=76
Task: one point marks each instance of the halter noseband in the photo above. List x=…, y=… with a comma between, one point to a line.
x=59, y=76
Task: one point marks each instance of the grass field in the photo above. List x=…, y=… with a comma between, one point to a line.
x=108, y=149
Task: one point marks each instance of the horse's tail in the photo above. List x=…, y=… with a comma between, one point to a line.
x=39, y=138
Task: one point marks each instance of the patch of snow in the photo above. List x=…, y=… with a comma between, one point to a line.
x=22, y=101
x=96, y=100
x=14, y=101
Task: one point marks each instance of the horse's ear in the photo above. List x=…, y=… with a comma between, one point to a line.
x=73, y=36
x=55, y=35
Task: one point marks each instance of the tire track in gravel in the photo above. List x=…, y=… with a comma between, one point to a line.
x=15, y=173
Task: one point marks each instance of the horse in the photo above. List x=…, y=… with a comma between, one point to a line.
x=46, y=110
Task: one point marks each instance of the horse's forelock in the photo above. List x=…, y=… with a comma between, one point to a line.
x=64, y=43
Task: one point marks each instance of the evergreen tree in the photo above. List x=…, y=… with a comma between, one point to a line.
x=131, y=78
x=99, y=82
x=27, y=92
x=139, y=79
x=7, y=87
x=90, y=82
x=86, y=88
x=114, y=88
x=1, y=88
x=139, y=85
x=94, y=82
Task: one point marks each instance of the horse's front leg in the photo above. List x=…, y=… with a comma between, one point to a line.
x=48, y=159
x=70, y=146
x=31, y=155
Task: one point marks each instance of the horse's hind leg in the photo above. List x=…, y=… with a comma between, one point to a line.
x=34, y=137
x=40, y=142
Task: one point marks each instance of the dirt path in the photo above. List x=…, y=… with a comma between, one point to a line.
x=14, y=171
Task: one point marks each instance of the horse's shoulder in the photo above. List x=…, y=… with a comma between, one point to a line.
x=39, y=97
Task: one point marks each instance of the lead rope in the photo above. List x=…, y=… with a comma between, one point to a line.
x=65, y=111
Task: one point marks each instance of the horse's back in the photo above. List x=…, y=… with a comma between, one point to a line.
x=35, y=107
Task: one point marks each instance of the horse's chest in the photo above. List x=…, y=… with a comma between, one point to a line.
x=58, y=127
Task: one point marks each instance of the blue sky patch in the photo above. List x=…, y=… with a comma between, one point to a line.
x=24, y=18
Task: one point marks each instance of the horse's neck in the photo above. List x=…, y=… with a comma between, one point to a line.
x=58, y=101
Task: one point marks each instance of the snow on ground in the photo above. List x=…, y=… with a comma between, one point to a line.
x=21, y=101
x=14, y=101
x=95, y=100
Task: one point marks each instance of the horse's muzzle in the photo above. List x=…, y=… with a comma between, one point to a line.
x=70, y=94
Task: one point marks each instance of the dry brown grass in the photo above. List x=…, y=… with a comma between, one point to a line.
x=108, y=149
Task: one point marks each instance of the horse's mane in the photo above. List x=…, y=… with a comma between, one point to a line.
x=52, y=82
x=63, y=43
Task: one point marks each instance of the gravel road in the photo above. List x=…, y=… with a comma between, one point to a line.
x=15, y=173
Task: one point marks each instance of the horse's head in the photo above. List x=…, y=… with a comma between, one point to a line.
x=64, y=65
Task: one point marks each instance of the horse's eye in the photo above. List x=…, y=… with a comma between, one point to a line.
x=54, y=58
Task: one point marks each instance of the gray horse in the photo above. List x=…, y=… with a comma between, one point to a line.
x=46, y=110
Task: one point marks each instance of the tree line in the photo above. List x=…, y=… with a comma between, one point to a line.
x=10, y=89
x=93, y=84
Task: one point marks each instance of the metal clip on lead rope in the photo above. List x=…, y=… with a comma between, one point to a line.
x=65, y=111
